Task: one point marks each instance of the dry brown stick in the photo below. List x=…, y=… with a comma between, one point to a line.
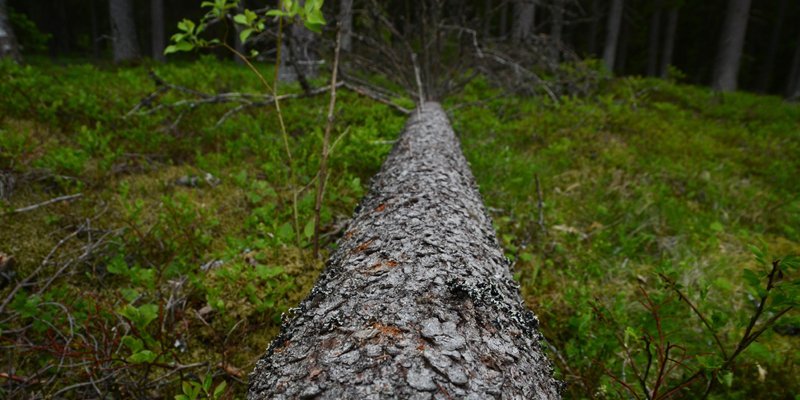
x=323, y=165
x=45, y=203
x=374, y=96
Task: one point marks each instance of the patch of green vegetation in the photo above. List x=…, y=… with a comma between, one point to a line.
x=647, y=187
x=182, y=252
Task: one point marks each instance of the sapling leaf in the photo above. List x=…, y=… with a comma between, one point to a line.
x=241, y=19
x=220, y=389
x=243, y=35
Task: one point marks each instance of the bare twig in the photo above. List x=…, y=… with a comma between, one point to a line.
x=323, y=166
x=45, y=203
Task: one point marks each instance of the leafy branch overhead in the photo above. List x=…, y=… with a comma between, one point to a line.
x=248, y=21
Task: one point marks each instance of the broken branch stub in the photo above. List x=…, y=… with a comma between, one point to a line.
x=418, y=300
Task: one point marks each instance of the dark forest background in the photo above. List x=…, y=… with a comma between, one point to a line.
x=81, y=28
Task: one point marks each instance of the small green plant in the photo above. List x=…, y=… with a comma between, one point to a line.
x=194, y=390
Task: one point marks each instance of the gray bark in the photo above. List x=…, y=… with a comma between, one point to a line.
x=729, y=55
x=298, y=60
x=346, y=20
x=158, y=41
x=417, y=301
x=612, y=33
x=524, y=16
x=8, y=42
x=653, y=41
x=669, y=42
x=123, y=30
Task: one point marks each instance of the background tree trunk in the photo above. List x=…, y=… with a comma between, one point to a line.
x=8, y=42
x=158, y=42
x=731, y=43
x=594, y=28
x=346, y=19
x=669, y=42
x=765, y=75
x=504, y=20
x=524, y=15
x=793, y=86
x=557, y=28
x=123, y=30
x=417, y=299
x=612, y=33
x=653, y=41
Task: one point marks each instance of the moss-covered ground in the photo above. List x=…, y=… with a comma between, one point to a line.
x=183, y=250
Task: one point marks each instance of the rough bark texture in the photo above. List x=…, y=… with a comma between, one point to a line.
x=298, y=59
x=612, y=33
x=157, y=40
x=726, y=69
x=123, y=30
x=8, y=42
x=524, y=15
x=418, y=301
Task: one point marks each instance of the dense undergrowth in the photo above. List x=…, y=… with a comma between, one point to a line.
x=173, y=267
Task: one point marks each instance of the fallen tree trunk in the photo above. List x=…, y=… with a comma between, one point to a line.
x=418, y=300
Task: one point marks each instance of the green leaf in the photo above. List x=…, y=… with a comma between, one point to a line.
x=244, y=34
x=117, y=266
x=181, y=46
x=134, y=344
x=526, y=257
x=285, y=232
x=726, y=378
x=241, y=19
x=308, y=231
x=751, y=278
x=220, y=389
x=144, y=356
x=207, y=383
x=277, y=13
x=186, y=25
x=142, y=316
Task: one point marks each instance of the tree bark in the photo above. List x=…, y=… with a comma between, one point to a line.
x=418, y=300
x=557, y=28
x=612, y=33
x=765, y=75
x=524, y=15
x=123, y=30
x=158, y=41
x=653, y=41
x=793, y=86
x=729, y=54
x=669, y=42
x=346, y=20
x=504, y=19
x=8, y=41
x=594, y=28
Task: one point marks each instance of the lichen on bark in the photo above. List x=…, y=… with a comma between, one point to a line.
x=418, y=300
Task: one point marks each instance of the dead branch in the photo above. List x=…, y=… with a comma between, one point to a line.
x=46, y=203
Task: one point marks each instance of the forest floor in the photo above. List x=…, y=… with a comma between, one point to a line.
x=174, y=264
